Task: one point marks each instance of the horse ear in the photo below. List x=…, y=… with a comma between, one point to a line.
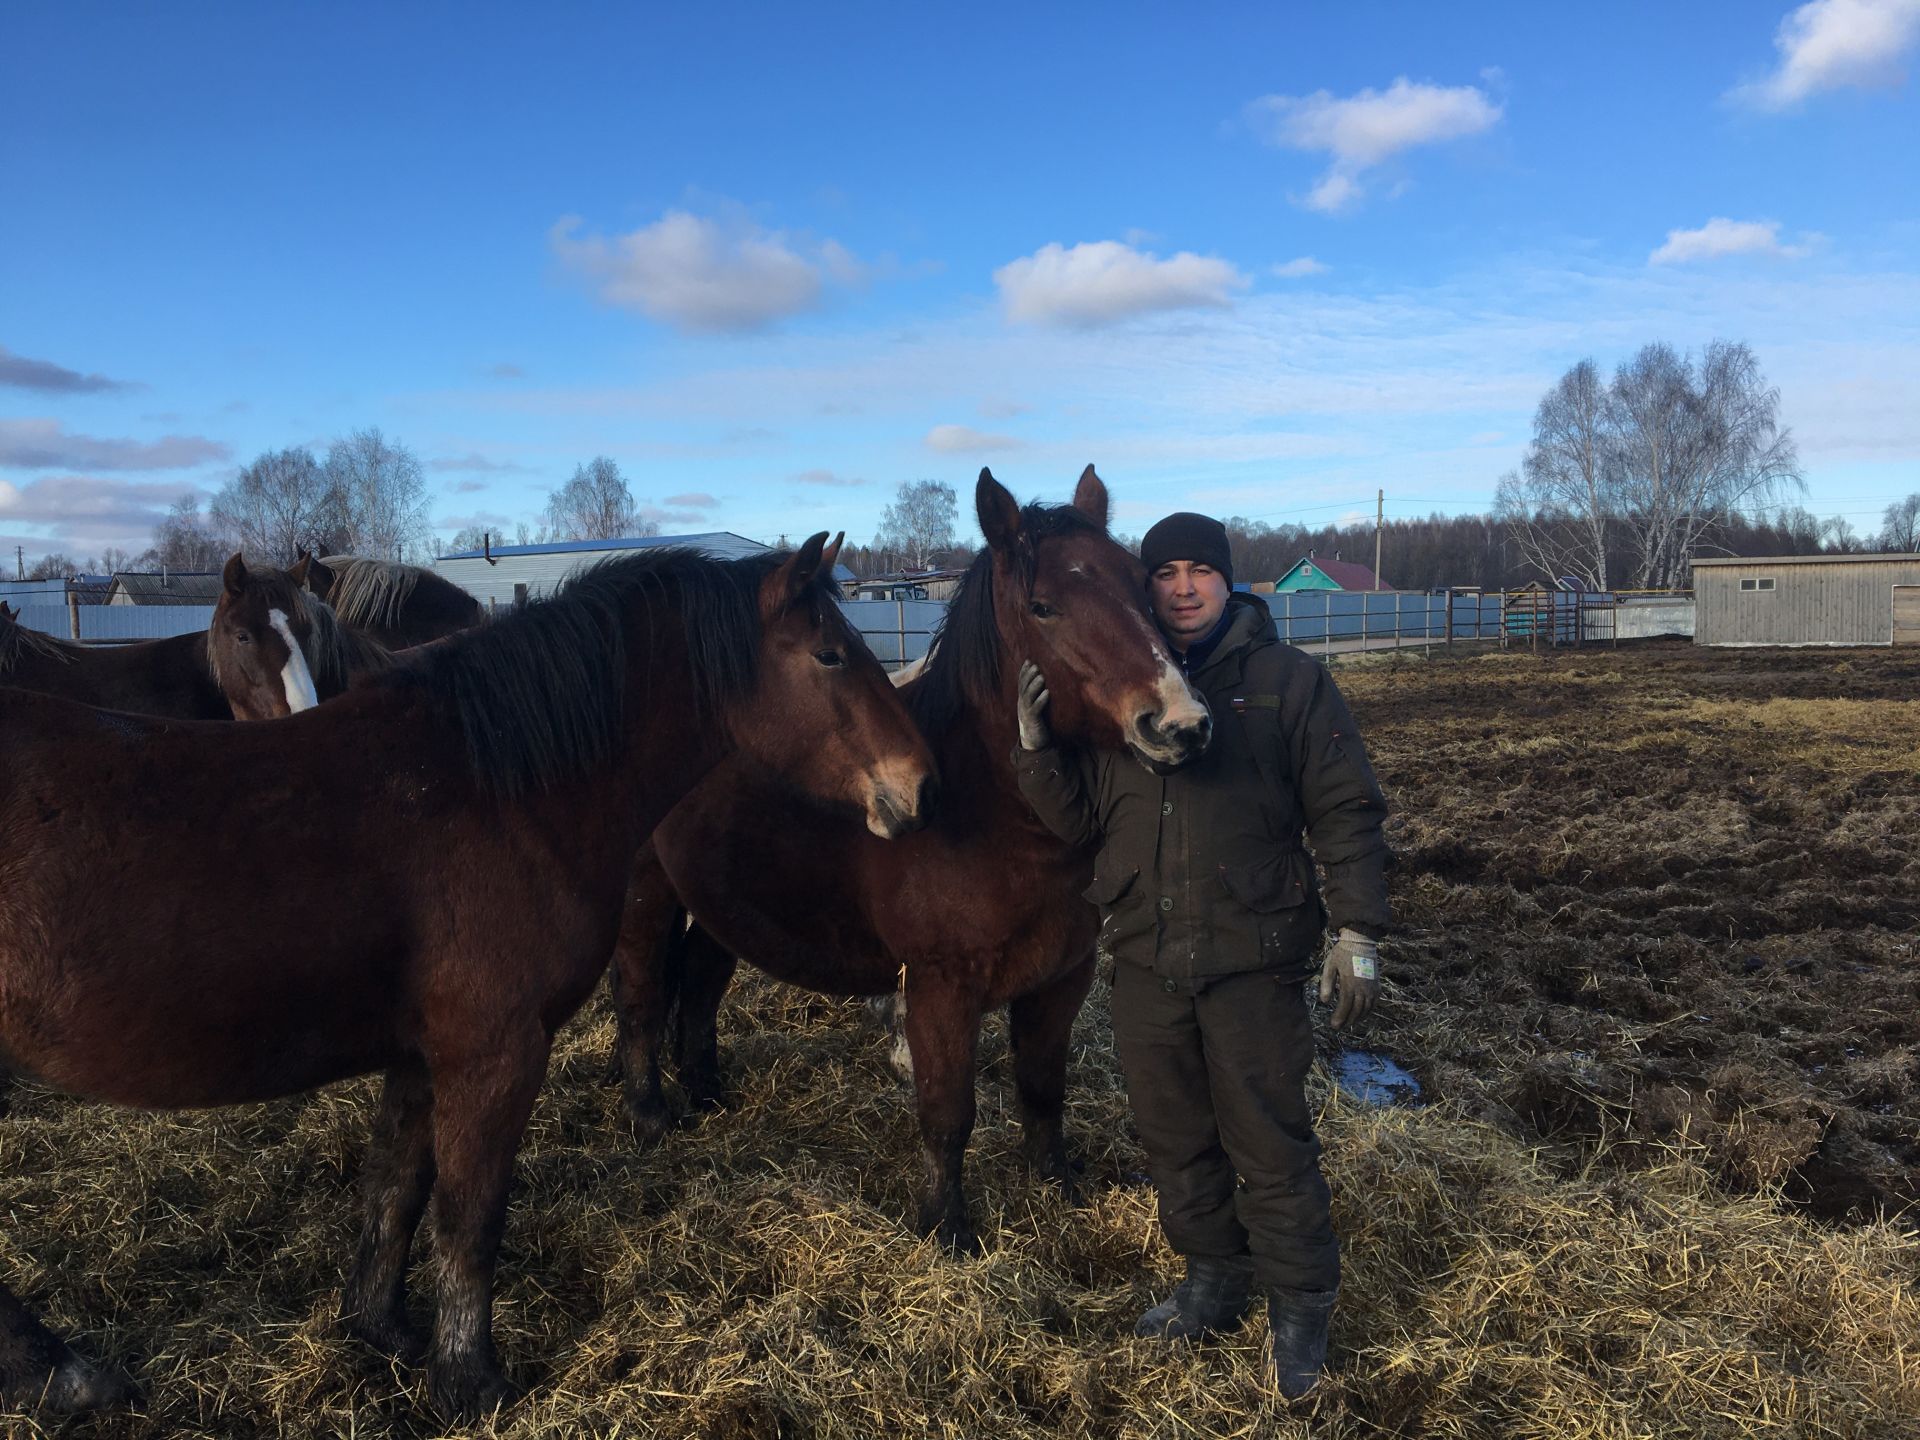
x=790, y=581
x=234, y=577
x=319, y=576
x=997, y=511
x=830, y=557
x=1090, y=497
x=297, y=572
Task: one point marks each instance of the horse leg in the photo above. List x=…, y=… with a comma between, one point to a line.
x=397, y=1180
x=704, y=977
x=943, y=1031
x=480, y=1107
x=1040, y=1024
x=38, y=1367
x=645, y=978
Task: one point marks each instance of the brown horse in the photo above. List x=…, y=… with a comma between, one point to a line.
x=981, y=909
x=275, y=648
x=452, y=843
x=151, y=677
x=397, y=605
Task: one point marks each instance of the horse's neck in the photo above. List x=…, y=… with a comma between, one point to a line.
x=977, y=751
x=668, y=746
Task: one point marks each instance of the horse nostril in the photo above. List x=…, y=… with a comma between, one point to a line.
x=1145, y=725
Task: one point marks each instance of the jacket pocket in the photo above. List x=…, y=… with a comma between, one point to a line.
x=1110, y=882
x=1277, y=882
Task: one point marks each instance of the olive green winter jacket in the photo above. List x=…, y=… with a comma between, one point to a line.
x=1203, y=872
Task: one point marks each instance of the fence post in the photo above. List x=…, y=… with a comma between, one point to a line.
x=73, y=612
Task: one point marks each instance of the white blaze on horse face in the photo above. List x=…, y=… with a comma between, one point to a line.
x=1179, y=705
x=295, y=678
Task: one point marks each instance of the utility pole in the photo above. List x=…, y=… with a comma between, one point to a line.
x=1379, y=520
x=19, y=563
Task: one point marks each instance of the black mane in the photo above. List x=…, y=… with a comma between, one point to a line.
x=538, y=692
x=963, y=665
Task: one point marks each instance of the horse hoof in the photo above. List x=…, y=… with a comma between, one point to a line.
x=394, y=1337
x=463, y=1393
x=77, y=1386
x=706, y=1094
x=956, y=1237
x=652, y=1122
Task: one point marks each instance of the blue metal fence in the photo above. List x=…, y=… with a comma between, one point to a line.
x=115, y=623
x=898, y=631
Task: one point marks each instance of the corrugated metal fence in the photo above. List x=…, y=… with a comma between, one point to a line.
x=112, y=624
x=899, y=631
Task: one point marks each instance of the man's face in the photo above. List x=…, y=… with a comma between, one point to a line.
x=1188, y=597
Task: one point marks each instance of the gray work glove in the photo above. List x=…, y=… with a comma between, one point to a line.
x=1032, y=705
x=1356, y=961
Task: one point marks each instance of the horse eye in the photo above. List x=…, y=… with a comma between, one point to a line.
x=241, y=637
x=829, y=658
x=1042, y=610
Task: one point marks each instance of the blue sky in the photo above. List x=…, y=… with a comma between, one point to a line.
x=777, y=259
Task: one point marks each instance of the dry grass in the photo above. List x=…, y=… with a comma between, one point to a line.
x=753, y=1279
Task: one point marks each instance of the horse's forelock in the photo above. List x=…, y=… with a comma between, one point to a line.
x=963, y=666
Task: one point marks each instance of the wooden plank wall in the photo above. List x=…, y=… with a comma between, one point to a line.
x=1839, y=603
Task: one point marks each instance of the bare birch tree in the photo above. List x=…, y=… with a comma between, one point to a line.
x=1698, y=443
x=1561, y=504
x=278, y=505
x=918, y=526
x=1652, y=464
x=596, y=505
x=376, y=499
x=1900, y=526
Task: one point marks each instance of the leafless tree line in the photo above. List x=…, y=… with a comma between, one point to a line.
x=1651, y=462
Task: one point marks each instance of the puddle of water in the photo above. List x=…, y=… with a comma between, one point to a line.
x=1375, y=1079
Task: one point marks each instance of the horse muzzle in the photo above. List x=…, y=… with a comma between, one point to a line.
x=1166, y=740
x=898, y=806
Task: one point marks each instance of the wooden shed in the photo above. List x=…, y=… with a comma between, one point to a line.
x=1808, y=600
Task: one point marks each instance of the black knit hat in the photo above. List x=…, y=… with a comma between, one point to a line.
x=1187, y=536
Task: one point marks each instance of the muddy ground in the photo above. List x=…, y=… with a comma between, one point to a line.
x=1664, y=896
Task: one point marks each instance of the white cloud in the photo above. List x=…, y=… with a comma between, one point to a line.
x=1104, y=281
x=1721, y=236
x=965, y=440
x=1295, y=269
x=1367, y=129
x=1829, y=44
x=704, y=275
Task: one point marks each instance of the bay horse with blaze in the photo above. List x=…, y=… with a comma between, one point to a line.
x=982, y=908
x=453, y=843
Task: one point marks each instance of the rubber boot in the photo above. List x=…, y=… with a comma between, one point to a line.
x=1297, y=1324
x=1212, y=1298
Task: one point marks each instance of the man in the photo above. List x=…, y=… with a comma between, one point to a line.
x=1213, y=913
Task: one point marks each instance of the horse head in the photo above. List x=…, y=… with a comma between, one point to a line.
x=260, y=642
x=1074, y=601
x=822, y=706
